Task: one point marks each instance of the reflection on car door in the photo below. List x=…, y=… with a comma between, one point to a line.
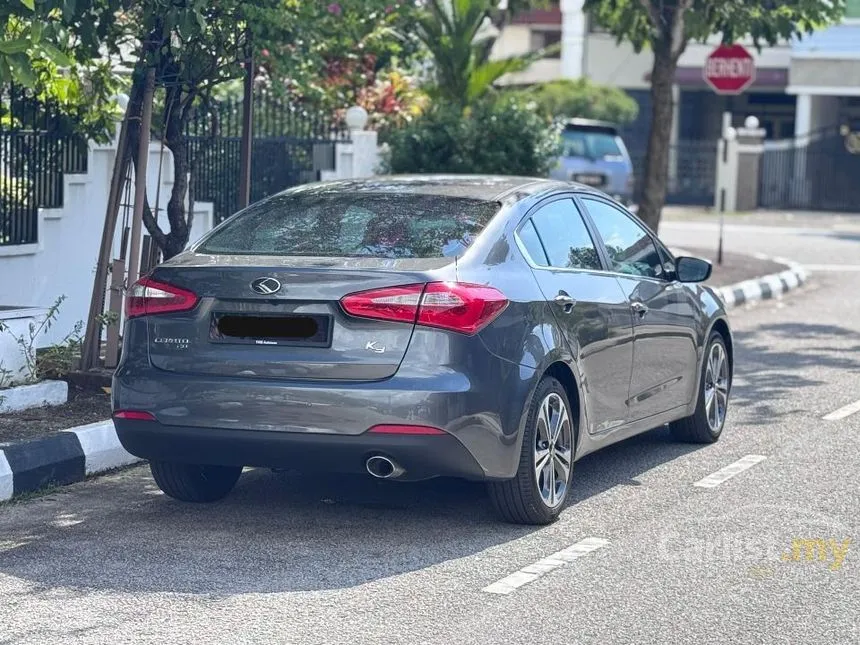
x=590, y=308
x=665, y=358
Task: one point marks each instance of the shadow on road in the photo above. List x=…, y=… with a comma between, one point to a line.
x=772, y=368
x=277, y=532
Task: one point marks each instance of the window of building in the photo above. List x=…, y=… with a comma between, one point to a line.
x=542, y=38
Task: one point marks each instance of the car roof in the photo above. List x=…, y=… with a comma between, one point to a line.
x=591, y=123
x=476, y=187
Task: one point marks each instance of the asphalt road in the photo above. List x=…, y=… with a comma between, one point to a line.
x=333, y=560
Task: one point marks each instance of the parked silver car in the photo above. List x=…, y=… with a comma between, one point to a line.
x=593, y=153
x=491, y=328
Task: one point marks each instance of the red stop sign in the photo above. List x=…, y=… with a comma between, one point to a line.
x=729, y=69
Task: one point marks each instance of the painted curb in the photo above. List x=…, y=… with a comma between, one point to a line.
x=764, y=287
x=60, y=459
x=24, y=397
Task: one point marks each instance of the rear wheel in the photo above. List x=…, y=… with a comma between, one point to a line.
x=194, y=483
x=706, y=424
x=540, y=488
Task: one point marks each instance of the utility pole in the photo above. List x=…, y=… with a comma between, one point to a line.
x=247, y=126
x=724, y=142
x=140, y=178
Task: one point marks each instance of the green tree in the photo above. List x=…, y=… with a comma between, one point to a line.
x=667, y=27
x=198, y=47
x=335, y=50
x=53, y=51
x=584, y=99
x=458, y=36
x=193, y=47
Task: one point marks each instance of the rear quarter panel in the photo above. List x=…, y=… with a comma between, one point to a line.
x=526, y=333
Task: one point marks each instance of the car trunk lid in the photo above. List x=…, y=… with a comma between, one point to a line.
x=281, y=318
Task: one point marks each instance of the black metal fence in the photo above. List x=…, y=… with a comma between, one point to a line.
x=35, y=154
x=692, y=172
x=818, y=172
x=291, y=146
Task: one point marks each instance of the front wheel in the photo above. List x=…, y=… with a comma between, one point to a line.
x=194, y=483
x=706, y=423
x=538, y=491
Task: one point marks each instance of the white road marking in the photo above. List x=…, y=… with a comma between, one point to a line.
x=717, y=478
x=844, y=411
x=534, y=571
x=6, y=482
x=832, y=267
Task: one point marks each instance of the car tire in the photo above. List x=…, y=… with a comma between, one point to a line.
x=193, y=482
x=534, y=495
x=706, y=424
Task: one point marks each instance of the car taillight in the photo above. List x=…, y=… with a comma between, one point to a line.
x=134, y=415
x=148, y=296
x=456, y=306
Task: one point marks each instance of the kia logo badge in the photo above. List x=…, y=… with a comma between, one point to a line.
x=266, y=286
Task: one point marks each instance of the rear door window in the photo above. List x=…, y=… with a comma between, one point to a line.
x=564, y=237
x=529, y=237
x=347, y=225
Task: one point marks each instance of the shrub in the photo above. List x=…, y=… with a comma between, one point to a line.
x=584, y=99
x=502, y=136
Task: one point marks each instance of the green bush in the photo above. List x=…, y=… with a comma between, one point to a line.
x=503, y=136
x=583, y=99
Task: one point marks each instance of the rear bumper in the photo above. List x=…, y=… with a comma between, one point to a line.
x=422, y=457
x=263, y=423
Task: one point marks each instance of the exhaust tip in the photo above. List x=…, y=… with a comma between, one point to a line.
x=383, y=467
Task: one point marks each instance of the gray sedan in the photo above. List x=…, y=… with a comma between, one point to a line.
x=489, y=328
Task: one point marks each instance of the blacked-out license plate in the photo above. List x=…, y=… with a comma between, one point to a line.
x=312, y=330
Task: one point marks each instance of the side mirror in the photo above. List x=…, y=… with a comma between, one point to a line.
x=692, y=269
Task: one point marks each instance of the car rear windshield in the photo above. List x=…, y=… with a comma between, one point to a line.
x=344, y=225
x=593, y=144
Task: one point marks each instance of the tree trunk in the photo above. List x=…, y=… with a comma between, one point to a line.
x=657, y=157
x=176, y=142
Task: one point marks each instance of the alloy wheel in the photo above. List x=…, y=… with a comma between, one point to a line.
x=553, y=449
x=716, y=387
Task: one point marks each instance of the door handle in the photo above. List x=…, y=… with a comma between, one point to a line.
x=565, y=301
x=640, y=308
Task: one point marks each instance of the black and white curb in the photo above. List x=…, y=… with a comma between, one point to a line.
x=63, y=458
x=765, y=287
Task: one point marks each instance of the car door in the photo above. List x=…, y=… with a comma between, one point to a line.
x=665, y=357
x=588, y=304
